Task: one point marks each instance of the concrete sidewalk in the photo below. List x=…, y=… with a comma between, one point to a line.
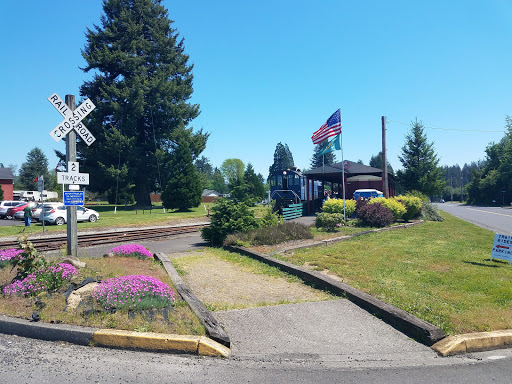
x=335, y=331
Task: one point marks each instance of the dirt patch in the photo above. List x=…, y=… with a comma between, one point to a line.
x=225, y=285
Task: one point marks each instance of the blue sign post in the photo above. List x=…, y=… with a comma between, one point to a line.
x=74, y=198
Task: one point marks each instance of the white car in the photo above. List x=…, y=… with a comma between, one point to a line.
x=58, y=215
x=5, y=205
x=36, y=211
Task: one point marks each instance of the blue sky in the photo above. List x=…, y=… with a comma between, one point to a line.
x=273, y=71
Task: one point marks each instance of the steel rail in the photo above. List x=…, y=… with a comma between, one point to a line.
x=90, y=239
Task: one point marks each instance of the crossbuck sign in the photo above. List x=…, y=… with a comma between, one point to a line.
x=72, y=119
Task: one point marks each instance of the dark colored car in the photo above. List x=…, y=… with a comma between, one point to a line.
x=11, y=211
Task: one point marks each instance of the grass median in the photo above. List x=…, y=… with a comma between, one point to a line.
x=438, y=271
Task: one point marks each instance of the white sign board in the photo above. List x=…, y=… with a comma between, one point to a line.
x=502, y=248
x=72, y=119
x=40, y=184
x=72, y=176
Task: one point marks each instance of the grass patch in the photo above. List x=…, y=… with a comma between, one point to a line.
x=227, y=280
x=178, y=319
x=438, y=271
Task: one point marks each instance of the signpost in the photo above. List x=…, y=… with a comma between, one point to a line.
x=67, y=130
x=502, y=248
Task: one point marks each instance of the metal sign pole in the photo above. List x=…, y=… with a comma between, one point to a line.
x=71, y=210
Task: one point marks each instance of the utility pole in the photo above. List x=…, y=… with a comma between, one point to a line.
x=385, y=185
x=71, y=210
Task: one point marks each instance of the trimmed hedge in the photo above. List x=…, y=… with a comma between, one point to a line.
x=397, y=208
x=336, y=206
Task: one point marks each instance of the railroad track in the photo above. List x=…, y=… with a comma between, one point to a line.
x=87, y=240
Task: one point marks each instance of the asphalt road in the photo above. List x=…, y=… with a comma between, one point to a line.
x=33, y=361
x=495, y=219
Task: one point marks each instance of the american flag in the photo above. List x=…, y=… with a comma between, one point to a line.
x=332, y=127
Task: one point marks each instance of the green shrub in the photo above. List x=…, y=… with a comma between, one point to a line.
x=329, y=221
x=286, y=231
x=228, y=217
x=430, y=212
x=270, y=218
x=336, y=206
x=397, y=208
x=375, y=215
x=412, y=205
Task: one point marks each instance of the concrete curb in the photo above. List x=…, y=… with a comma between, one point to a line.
x=408, y=324
x=86, y=336
x=473, y=342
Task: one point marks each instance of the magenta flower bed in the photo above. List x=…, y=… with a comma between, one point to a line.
x=46, y=279
x=133, y=292
x=134, y=250
x=8, y=254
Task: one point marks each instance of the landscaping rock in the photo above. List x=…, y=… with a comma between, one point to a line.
x=78, y=295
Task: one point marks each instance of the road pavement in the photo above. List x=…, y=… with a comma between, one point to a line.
x=495, y=219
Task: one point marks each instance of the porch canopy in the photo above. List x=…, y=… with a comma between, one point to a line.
x=357, y=176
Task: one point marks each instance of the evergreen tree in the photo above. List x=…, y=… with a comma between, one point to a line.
x=36, y=165
x=218, y=182
x=183, y=190
x=283, y=159
x=255, y=187
x=205, y=172
x=327, y=159
x=141, y=87
x=1, y=192
x=421, y=171
x=376, y=162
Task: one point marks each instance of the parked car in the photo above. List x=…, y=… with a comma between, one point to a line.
x=36, y=211
x=58, y=215
x=12, y=210
x=5, y=205
x=20, y=215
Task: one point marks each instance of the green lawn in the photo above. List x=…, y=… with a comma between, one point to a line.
x=438, y=271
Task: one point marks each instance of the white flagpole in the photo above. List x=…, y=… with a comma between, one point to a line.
x=342, y=169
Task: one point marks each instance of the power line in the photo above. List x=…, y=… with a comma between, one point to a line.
x=445, y=129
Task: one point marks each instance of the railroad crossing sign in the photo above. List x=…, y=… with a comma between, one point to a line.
x=72, y=176
x=72, y=119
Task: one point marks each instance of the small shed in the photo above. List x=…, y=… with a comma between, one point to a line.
x=7, y=182
x=209, y=196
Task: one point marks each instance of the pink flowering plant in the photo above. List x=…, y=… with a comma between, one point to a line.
x=134, y=250
x=7, y=254
x=46, y=279
x=133, y=292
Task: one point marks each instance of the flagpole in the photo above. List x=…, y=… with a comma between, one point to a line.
x=342, y=170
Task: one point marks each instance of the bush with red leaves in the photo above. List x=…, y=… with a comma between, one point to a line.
x=375, y=215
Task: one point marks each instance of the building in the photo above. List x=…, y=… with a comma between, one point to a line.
x=357, y=176
x=7, y=182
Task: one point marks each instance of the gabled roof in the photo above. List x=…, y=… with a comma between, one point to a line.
x=210, y=192
x=332, y=173
x=6, y=173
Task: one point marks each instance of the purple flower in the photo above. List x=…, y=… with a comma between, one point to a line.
x=131, y=250
x=128, y=291
x=8, y=254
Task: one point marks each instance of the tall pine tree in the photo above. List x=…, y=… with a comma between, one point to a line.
x=36, y=165
x=421, y=170
x=141, y=86
x=283, y=159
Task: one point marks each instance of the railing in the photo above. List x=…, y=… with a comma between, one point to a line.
x=293, y=211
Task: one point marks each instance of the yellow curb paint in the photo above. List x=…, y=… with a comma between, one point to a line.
x=473, y=342
x=209, y=347
x=146, y=340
